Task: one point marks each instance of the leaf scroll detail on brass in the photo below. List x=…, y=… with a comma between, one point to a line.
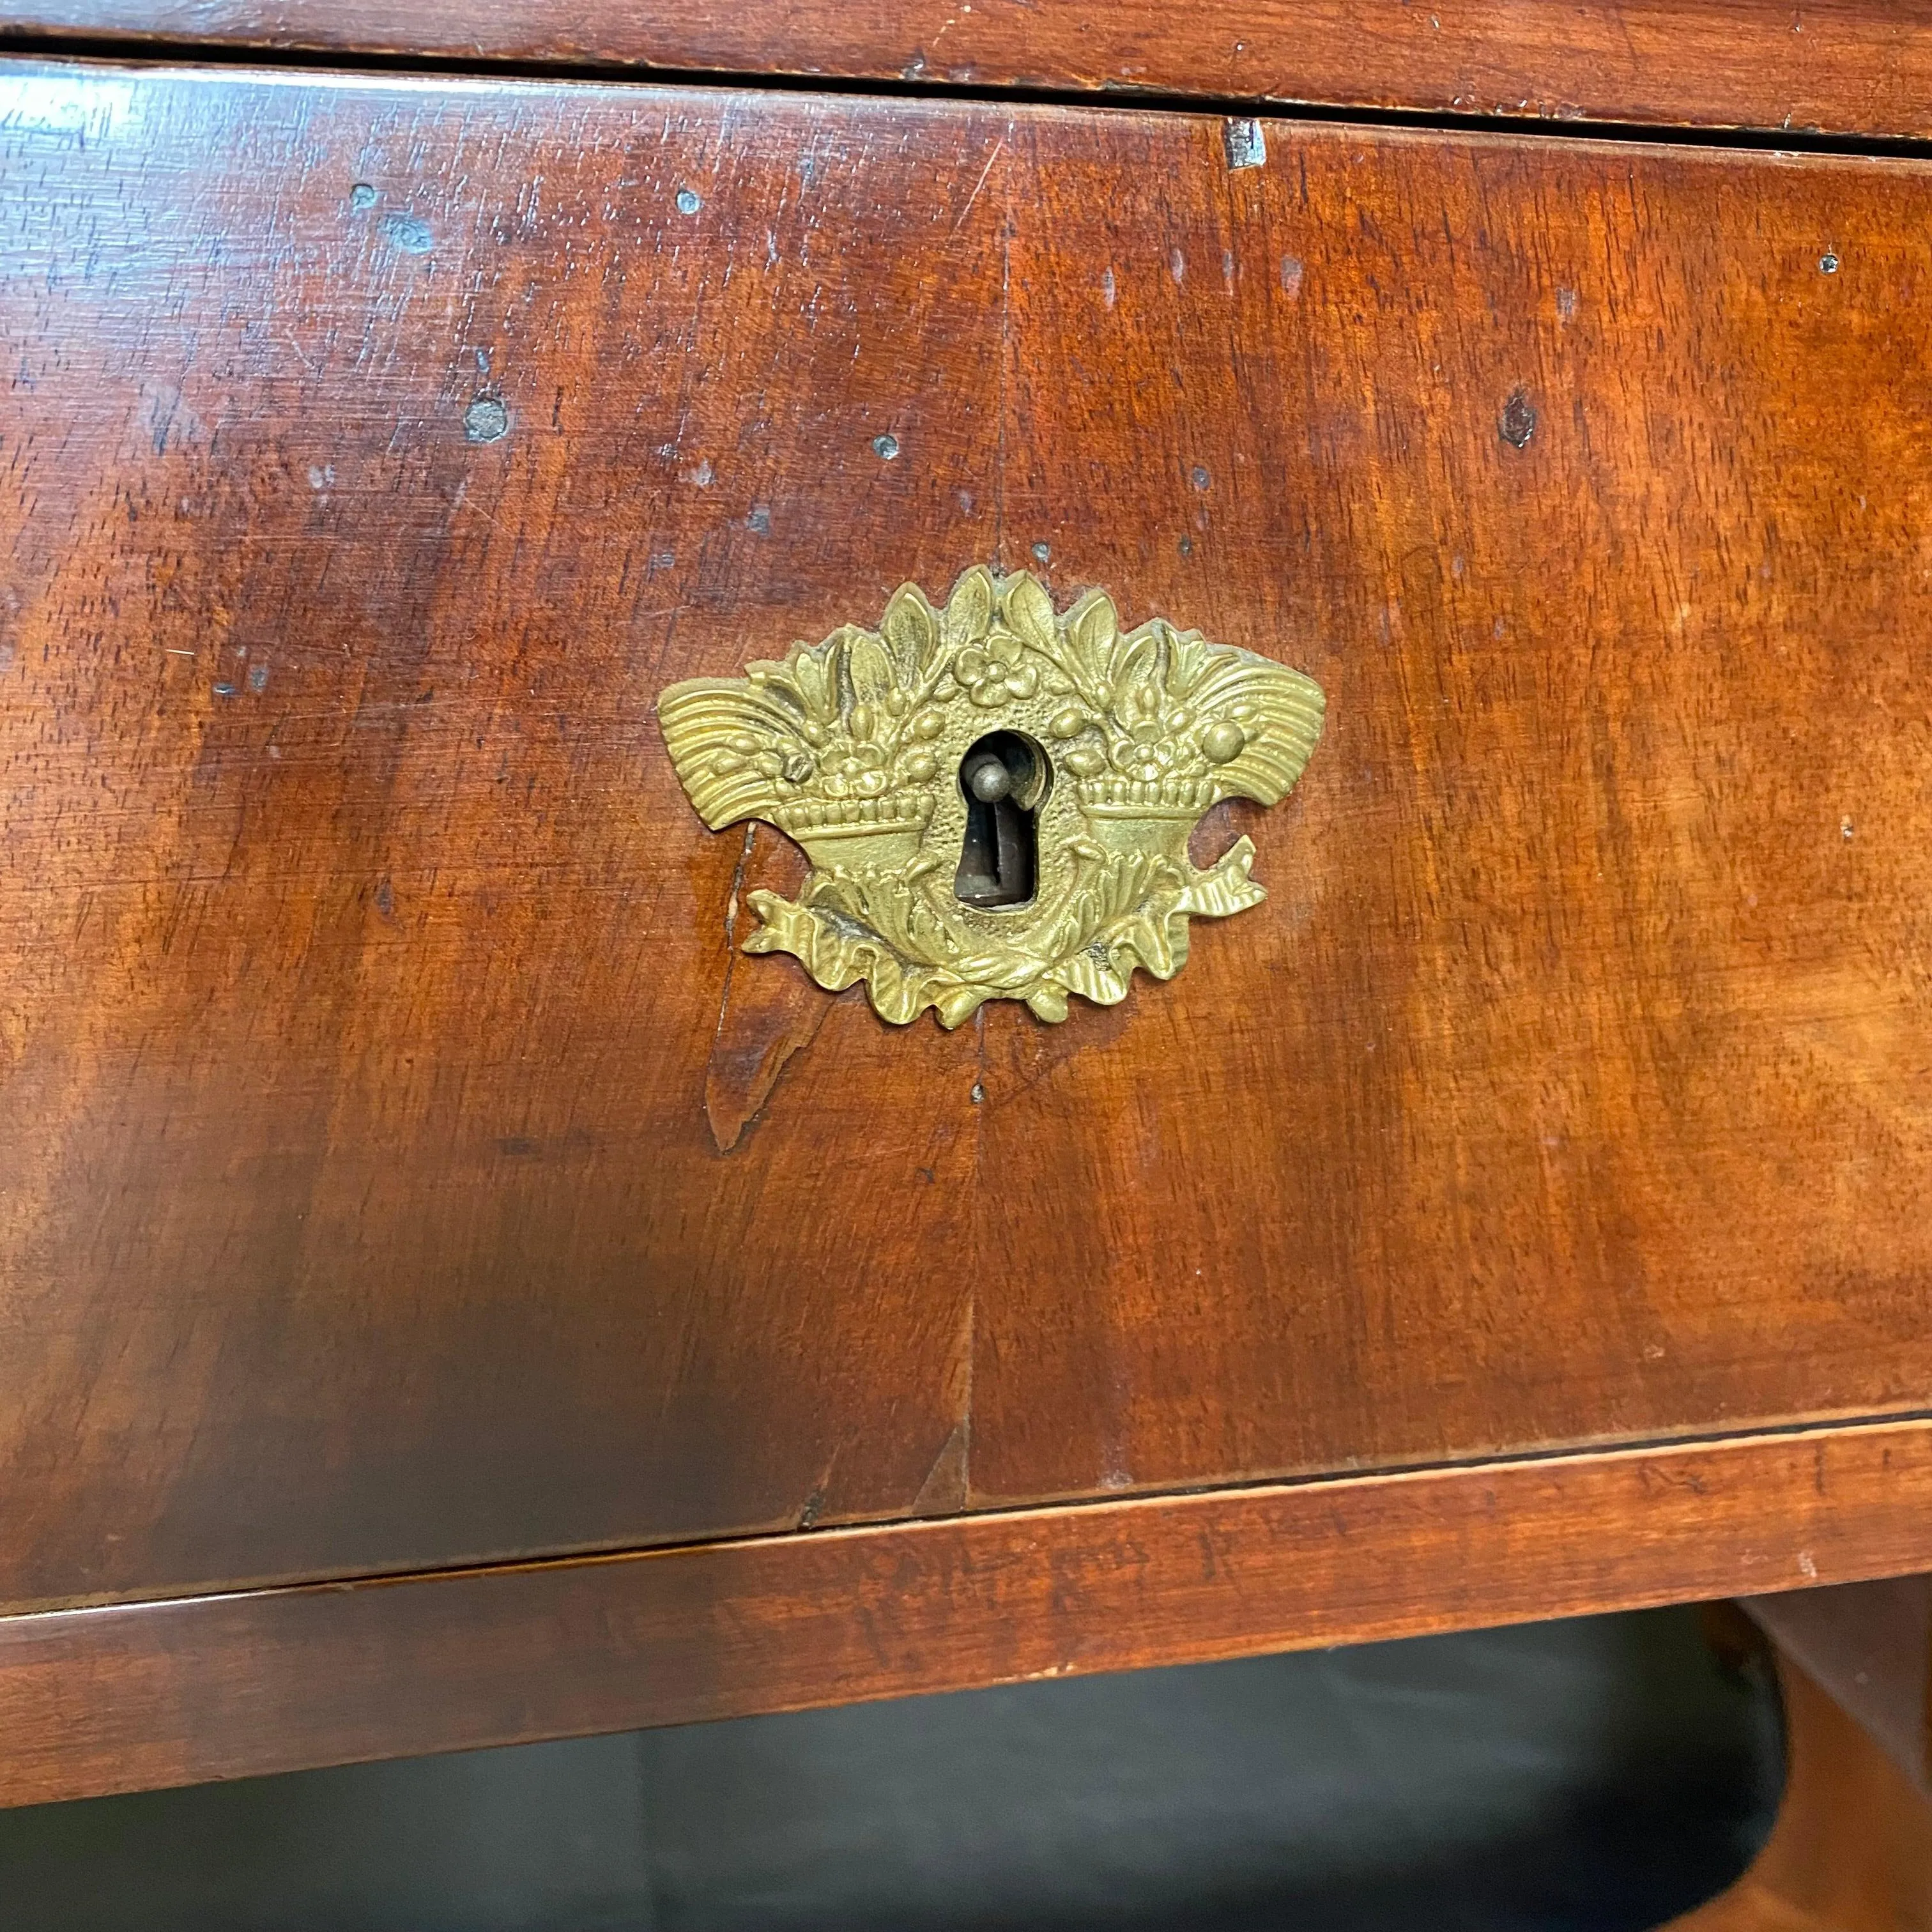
x=853, y=748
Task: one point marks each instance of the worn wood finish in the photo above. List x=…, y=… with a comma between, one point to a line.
x=131, y=1696
x=1860, y=67
x=401, y=1170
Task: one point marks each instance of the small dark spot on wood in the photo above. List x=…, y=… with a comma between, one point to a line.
x=258, y=677
x=688, y=201
x=760, y=519
x=1042, y=552
x=886, y=446
x=814, y=1508
x=408, y=233
x=1199, y=475
x=663, y=560
x=486, y=420
x=361, y=195
x=1187, y=546
x=1828, y=263
x=926, y=1174
x=385, y=897
x=517, y=1144
x=1246, y=144
x=1517, y=424
x=1566, y=304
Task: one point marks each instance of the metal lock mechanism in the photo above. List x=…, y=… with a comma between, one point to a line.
x=996, y=798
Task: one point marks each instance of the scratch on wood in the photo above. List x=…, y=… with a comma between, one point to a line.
x=999, y=426
x=762, y=1021
x=999, y=148
x=813, y=1511
x=949, y=1482
x=944, y=1491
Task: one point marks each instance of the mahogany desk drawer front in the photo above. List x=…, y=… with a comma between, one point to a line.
x=403, y=1171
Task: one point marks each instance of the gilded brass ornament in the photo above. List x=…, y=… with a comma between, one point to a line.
x=870, y=749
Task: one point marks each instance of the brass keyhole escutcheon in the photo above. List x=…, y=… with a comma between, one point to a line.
x=996, y=798
x=1004, y=777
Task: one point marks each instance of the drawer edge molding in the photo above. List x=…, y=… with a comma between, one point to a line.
x=1852, y=69
x=141, y=1695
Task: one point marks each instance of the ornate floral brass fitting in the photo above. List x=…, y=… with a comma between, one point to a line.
x=996, y=799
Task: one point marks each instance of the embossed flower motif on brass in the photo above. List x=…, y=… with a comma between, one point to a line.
x=996, y=798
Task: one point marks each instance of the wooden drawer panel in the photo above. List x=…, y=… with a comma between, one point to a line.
x=402, y=1172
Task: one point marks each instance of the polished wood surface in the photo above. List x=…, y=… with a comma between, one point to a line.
x=128, y=1697
x=1852, y=1850
x=403, y=1171
x=1859, y=67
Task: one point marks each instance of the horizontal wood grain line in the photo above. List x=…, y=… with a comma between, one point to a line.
x=139, y=1696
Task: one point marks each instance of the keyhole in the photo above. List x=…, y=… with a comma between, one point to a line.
x=1004, y=777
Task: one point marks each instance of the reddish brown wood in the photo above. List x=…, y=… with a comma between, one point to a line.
x=1852, y=1850
x=372, y=1047
x=128, y=1697
x=1862, y=66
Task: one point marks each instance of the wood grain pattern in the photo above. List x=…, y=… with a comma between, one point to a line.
x=402, y=1172
x=130, y=1697
x=1858, y=67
